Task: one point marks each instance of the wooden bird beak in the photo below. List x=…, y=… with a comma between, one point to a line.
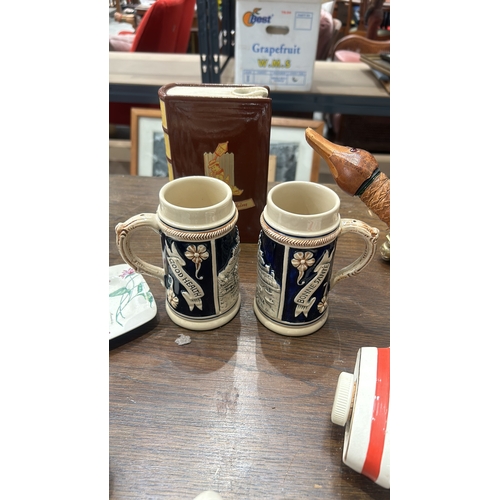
x=351, y=168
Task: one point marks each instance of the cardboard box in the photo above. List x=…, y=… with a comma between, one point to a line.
x=275, y=43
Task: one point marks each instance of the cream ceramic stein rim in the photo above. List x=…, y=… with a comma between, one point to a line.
x=180, y=209
x=302, y=208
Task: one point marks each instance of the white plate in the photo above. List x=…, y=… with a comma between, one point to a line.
x=131, y=303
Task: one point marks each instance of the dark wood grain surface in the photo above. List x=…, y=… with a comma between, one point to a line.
x=240, y=410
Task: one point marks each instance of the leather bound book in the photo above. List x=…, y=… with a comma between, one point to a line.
x=221, y=131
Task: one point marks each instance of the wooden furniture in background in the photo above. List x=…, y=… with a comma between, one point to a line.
x=116, y=4
x=344, y=11
x=360, y=27
x=240, y=410
x=371, y=133
x=374, y=9
x=360, y=45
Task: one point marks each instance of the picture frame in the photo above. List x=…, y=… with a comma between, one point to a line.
x=147, y=143
x=290, y=156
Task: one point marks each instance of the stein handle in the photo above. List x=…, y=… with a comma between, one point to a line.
x=369, y=235
x=123, y=230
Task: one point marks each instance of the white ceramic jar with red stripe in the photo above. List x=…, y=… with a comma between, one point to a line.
x=361, y=404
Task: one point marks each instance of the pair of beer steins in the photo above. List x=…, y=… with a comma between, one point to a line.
x=197, y=223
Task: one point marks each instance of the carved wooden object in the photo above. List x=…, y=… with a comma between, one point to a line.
x=356, y=172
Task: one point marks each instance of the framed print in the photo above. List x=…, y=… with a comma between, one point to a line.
x=147, y=144
x=290, y=156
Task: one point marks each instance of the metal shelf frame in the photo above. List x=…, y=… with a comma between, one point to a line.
x=209, y=36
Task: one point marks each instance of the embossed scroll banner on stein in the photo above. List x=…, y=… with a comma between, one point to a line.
x=196, y=220
x=301, y=226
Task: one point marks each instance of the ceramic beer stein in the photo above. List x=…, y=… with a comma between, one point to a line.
x=196, y=220
x=301, y=226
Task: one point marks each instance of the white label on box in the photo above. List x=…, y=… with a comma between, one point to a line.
x=303, y=21
x=263, y=77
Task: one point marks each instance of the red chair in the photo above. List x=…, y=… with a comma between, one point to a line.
x=166, y=27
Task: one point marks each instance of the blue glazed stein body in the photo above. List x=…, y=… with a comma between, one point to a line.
x=201, y=274
x=293, y=280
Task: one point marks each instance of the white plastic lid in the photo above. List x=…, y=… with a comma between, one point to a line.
x=343, y=398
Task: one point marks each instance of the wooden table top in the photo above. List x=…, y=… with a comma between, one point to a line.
x=240, y=410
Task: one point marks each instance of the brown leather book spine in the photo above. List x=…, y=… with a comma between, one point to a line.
x=222, y=137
